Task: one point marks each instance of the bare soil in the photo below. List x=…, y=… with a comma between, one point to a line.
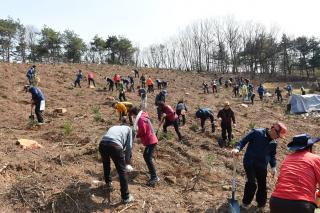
x=64, y=175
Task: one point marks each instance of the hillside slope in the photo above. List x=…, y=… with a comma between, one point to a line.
x=62, y=176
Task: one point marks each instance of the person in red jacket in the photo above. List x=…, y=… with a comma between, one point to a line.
x=170, y=118
x=299, y=176
x=91, y=78
x=145, y=132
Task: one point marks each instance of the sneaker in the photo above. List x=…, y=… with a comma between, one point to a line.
x=153, y=181
x=245, y=206
x=109, y=187
x=128, y=200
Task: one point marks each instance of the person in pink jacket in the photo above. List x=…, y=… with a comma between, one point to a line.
x=144, y=131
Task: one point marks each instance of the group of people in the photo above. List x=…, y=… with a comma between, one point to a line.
x=37, y=96
x=295, y=190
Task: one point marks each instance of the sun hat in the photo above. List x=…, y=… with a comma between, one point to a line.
x=301, y=141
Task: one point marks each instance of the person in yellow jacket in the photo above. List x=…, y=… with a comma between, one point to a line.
x=244, y=92
x=123, y=109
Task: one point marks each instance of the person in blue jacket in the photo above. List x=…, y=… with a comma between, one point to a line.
x=38, y=100
x=30, y=74
x=289, y=89
x=204, y=114
x=261, y=150
x=261, y=91
x=79, y=77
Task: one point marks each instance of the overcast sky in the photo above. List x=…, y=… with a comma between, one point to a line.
x=146, y=22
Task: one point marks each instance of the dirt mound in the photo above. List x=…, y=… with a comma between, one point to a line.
x=62, y=176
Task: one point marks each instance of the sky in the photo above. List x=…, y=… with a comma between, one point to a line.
x=147, y=22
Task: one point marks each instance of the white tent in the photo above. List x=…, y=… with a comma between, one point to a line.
x=304, y=103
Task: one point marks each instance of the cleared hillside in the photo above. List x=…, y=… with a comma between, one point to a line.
x=62, y=176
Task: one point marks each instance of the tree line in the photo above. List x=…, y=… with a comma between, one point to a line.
x=225, y=45
x=27, y=44
x=220, y=45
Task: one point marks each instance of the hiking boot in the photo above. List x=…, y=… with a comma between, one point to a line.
x=153, y=181
x=261, y=209
x=245, y=206
x=109, y=187
x=130, y=199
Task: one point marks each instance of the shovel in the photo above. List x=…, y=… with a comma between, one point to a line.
x=234, y=206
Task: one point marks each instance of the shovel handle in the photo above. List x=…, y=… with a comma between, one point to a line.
x=234, y=172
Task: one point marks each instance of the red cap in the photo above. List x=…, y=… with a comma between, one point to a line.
x=280, y=128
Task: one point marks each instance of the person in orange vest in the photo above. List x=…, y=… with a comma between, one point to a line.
x=150, y=85
x=90, y=78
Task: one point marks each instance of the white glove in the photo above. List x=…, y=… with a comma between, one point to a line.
x=274, y=171
x=234, y=125
x=129, y=168
x=235, y=151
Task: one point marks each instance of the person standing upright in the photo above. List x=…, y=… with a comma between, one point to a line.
x=261, y=150
x=227, y=118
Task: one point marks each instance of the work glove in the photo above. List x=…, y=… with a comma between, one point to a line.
x=234, y=125
x=273, y=171
x=235, y=151
x=129, y=168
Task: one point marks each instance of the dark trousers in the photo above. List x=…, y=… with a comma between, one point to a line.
x=111, y=87
x=77, y=82
x=89, y=81
x=122, y=96
x=278, y=205
x=252, y=98
x=147, y=155
x=131, y=88
x=206, y=90
x=39, y=113
x=226, y=128
x=114, y=151
x=159, y=86
x=143, y=84
x=183, y=117
x=175, y=125
x=214, y=89
x=150, y=88
x=203, y=120
x=255, y=174
x=236, y=92
x=279, y=97
x=261, y=96
x=136, y=74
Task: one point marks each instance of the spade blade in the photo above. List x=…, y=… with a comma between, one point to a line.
x=234, y=206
